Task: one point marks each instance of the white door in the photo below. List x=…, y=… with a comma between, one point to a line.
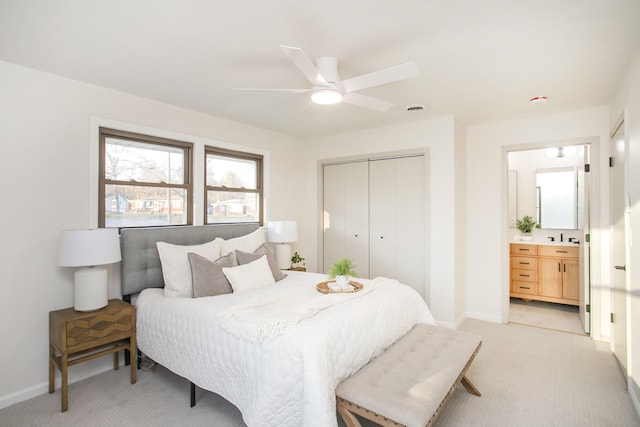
x=397, y=220
x=382, y=216
x=618, y=246
x=346, y=215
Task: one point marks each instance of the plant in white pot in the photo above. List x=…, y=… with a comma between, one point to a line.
x=297, y=260
x=525, y=225
x=342, y=270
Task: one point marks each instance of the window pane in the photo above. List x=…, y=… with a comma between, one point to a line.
x=130, y=160
x=232, y=173
x=223, y=206
x=139, y=206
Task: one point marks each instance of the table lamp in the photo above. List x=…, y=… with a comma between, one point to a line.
x=282, y=232
x=90, y=250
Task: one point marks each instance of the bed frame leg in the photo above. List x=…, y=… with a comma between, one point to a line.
x=193, y=394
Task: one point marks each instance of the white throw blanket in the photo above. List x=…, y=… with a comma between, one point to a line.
x=266, y=319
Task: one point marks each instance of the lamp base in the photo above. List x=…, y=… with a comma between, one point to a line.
x=90, y=289
x=283, y=256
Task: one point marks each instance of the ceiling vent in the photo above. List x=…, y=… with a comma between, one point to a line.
x=415, y=108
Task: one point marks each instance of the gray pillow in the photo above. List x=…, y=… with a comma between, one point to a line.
x=246, y=258
x=207, y=276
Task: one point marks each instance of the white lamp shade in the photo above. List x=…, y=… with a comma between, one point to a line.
x=83, y=248
x=282, y=231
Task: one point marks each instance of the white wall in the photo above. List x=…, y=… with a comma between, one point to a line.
x=436, y=138
x=45, y=174
x=460, y=210
x=487, y=242
x=627, y=101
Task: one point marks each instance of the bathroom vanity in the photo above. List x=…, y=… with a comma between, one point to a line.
x=545, y=272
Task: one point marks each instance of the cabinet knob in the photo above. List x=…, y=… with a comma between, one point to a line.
x=355, y=235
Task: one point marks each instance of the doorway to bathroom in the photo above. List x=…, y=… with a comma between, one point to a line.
x=549, y=263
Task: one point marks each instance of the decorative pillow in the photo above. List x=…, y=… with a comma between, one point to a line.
x=207, y=276
x=246, y=243
x=263, y=250
x=176, y=270
x=254, y=275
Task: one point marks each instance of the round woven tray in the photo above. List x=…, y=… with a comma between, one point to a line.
x=324, y=288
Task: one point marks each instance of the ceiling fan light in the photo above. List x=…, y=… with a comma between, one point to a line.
x=326, y=96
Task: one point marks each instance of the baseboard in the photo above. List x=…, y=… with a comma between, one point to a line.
x=449, y=325
x=634, y=392
x=43, y=387
x=484, y=316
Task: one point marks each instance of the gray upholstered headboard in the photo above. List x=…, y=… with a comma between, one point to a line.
x=141, y=269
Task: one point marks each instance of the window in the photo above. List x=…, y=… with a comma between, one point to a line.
x=233, y=187
x=144, y=180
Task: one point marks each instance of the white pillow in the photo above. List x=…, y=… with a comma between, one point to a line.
x=176, y=269
x=254, y=275
x=246, y=243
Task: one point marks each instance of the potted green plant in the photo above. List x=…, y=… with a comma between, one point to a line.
x=341, y=271
x=525, y=225
x=296, y=260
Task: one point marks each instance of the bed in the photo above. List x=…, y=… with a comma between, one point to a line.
x=276, y=352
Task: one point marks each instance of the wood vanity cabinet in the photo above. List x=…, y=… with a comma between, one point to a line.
x=545, y=273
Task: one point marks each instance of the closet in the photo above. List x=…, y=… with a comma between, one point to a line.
x=374, y=213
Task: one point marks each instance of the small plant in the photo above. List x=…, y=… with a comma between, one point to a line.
x=526, y=224
x=342, y=267
x=296, y=258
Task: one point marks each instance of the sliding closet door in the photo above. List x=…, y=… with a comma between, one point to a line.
x=397, y=220
x=346, y=215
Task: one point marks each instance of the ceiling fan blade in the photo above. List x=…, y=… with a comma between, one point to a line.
x=377, y=78
x=273, y=90
x=366, y=102
x=304, y=64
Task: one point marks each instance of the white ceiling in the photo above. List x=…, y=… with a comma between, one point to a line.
x=479, y=60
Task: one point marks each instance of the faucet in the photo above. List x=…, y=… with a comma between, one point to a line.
x=561, y=237
x=573, y=240
x=551, y=238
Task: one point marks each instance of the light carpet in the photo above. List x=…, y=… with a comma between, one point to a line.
x=528, y=377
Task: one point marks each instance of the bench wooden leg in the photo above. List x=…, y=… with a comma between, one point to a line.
x=350, y=420
x=469, y=386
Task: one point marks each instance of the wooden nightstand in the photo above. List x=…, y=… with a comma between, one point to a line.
x=76, y=336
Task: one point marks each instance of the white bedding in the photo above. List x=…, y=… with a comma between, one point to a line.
x=289, y=378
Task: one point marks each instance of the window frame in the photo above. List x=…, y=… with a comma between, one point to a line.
x=187, y=147
x=259, y=190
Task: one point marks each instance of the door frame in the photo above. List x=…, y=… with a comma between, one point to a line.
x=597, y=239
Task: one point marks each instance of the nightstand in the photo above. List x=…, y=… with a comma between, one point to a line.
x=77, y=336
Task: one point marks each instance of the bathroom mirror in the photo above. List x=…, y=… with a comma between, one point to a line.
x=557, y=200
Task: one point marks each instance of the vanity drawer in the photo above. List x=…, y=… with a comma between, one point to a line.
x=520, y=249
x=527, y=263
x=524, y=288
x=558, y=251
x=524, y=275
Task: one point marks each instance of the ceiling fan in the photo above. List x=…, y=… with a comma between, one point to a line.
x=327, y=88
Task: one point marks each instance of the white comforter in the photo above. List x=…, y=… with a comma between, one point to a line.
x=289, y=378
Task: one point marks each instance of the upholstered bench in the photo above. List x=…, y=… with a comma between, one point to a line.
x=411, y=381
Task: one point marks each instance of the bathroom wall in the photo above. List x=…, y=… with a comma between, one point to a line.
x=525, y=163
